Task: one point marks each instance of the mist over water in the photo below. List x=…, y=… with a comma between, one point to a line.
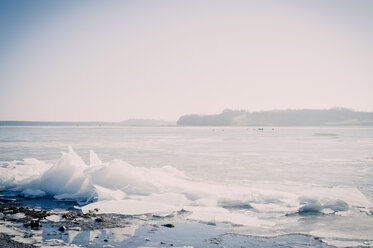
x=268, y=182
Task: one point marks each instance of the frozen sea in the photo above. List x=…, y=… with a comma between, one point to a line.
x=276, y=182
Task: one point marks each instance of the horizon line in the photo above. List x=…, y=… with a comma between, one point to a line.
x=163, y=120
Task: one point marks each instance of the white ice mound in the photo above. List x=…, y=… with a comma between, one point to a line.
x=157, y=204
x=316, y=206
x=65, y=177
x=119, y=187
x=108, y=194
x=19, y=173
x=331, y=200
x=72, y=179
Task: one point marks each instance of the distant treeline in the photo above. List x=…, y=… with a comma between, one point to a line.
x=303, y=117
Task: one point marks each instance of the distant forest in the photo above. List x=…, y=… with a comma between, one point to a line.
x=303, y=117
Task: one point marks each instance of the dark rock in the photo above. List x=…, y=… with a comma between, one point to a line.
x=99, y=220
x=14, y=210
x=62, y=229
x=168, y=225
x=69, y=216
x=215, y=241
x=35, y=224
x=28, y=235
x=106, y=240
x=8, y=242
x=39, y=214
x=8, y=200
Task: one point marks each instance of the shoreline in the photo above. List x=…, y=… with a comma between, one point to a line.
x=23, y=226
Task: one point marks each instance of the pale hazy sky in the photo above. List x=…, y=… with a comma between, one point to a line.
x=114, y=60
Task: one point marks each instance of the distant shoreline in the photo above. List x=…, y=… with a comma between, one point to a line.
x=228, y=117
x=53, y=123
x=118, y=125
x=300, y=117
x=78, y=124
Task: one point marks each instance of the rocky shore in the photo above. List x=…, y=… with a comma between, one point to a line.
x=27, y=226
x=26, y=223
x=6, y=241
x=33, y=226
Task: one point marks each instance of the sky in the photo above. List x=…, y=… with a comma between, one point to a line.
x=83, y=60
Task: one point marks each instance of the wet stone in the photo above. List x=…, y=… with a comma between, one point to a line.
x=62, y=229
x=35, y=224
x=99, y=220
x=168, y=225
